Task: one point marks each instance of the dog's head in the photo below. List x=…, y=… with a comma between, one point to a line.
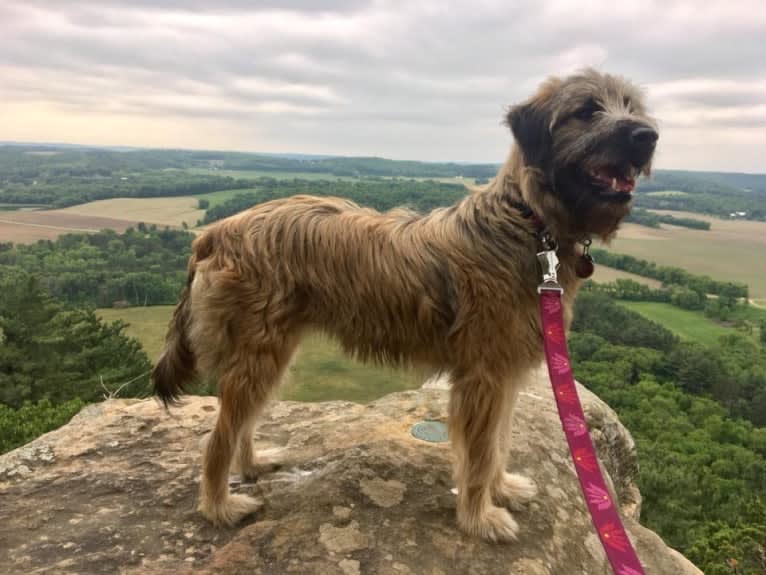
x=584, y=140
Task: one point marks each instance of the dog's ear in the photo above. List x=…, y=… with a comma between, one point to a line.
x=530, y=124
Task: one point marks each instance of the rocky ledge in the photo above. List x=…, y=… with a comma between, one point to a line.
x=349, y=490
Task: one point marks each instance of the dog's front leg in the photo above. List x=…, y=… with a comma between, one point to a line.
x=477, y=410
x=510, y=489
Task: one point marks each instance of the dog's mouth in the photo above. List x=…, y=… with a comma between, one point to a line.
x=613, y=182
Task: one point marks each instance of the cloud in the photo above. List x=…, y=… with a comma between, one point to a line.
x=425, y=80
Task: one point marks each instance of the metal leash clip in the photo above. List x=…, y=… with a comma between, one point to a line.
x=549, y=263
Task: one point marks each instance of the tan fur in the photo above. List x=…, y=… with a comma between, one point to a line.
x=454, y=290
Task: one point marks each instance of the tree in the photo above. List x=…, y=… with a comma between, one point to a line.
x=57, y=353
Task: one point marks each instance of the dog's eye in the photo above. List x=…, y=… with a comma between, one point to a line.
x=587, y=111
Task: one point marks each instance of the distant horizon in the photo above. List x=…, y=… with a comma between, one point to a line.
x=318, y=155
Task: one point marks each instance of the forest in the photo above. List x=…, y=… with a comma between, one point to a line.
x=63, y=176
x=702, y=469
x=143, y=266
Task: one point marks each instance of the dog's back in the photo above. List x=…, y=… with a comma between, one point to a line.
x=376, y=282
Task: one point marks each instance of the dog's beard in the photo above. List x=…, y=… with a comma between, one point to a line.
x=596, y=196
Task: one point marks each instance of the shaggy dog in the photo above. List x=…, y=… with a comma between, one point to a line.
x=454, y=289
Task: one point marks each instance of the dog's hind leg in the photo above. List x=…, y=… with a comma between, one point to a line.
x=244, y=388
x=477, y=406
x=248, y=464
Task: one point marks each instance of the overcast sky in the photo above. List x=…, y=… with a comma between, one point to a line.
x=399, y=79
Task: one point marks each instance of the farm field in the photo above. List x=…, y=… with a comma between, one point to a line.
x=667, y=193
x=605, y=274
x=24, y=227
x=171, y=211
x=729, y=250
x=254, y=174
x=320, y=372
x=686, y=324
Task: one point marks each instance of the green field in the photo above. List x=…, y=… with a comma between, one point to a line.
x=147, y=324
x=686, y=324
x=216, y=198
x=320, y=372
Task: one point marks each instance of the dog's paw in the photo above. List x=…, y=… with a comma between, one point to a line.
x=494, y=524
x=268, y=461
x=253, y=470
x=512, y=489
x=231, y=510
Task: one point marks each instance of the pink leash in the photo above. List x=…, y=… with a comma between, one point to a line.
x=603, y=513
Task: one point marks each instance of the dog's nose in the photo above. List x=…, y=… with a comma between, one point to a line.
x=644, y=137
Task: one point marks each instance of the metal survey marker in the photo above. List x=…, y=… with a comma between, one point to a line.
x=431, y=431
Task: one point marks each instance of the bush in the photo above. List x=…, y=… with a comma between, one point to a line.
x=19, y=426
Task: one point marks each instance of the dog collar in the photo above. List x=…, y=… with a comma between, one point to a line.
x=528, y=214
x=584, y=264
x=541, y=231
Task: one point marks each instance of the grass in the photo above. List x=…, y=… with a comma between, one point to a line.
x=686, y=324
x=147, y=324
x=321, y=372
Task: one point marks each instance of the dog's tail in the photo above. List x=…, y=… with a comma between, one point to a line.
x=177, y=365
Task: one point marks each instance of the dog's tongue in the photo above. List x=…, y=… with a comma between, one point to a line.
x=623, y=185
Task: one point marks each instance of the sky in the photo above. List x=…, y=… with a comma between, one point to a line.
x=422, y=80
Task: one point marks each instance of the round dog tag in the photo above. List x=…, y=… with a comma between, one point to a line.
x=584, y=266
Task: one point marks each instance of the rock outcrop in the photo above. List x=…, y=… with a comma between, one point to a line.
x=346, y=490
